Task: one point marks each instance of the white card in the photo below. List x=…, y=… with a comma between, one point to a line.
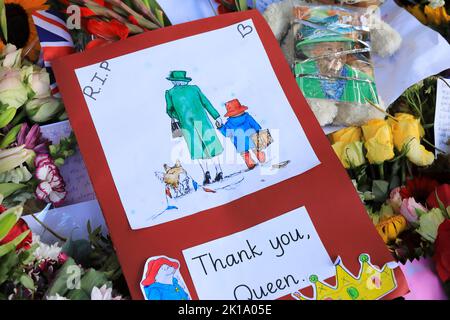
x=187, y=10
x=442, y=116
x=158, y=177
x=283, y=251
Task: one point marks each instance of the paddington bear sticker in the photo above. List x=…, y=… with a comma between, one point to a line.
x=162, y=280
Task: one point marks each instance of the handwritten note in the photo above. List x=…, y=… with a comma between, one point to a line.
x=267, y=261
x=442, y=116
x=78, y=184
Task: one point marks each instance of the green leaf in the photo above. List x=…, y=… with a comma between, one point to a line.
x=26, y=281
x=8, y=220
x=3, y=24
x=7, y=189
x=67, y=278
x=440, y=203
x=7, y=263
x=241, y=5
x=10, y=136
x=93, y=278
x=380, y=190
x=420, y=212
x=7, y=116
x=79, y=250
x=11, y=246
x=78, y=294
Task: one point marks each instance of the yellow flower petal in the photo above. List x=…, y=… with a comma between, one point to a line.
x=418, y=155
x=390, y=228
x=347, y=135
x=378, y=141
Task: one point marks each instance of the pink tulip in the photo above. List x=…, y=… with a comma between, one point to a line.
x=408, y=209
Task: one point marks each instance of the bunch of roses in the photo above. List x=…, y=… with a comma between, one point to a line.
x=25, y=89
x=376, y=142
x=423, y=208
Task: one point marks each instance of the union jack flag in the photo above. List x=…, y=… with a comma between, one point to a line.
x=55, y=40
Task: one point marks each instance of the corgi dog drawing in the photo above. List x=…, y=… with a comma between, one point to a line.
x=177, y=180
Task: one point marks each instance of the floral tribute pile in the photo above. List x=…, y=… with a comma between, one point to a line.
x=391, y=162
x=405, y=190
x=29, y=180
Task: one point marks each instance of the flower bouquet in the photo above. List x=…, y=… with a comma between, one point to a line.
x=405, y=191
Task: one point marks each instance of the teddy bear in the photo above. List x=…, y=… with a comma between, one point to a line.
x=385, y=41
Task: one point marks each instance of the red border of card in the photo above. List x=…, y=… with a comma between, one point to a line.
x=326, y=191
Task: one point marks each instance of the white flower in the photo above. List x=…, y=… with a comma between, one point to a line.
x=45, y=251
x=103, y=293
x=39, y=83
x=42, y=110
x=57, y=297
x=436, y=3
x=12, y=91
x=11, y=56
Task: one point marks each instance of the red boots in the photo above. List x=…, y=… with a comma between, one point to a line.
x=260, y=155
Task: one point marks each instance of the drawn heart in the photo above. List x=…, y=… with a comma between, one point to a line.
x=244, y=30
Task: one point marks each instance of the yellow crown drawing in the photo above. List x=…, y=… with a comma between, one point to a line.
x=370, y=284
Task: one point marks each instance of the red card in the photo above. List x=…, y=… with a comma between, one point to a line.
x=154, y=113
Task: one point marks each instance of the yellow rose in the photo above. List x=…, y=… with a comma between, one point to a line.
x=378, y=141
x=350, y=154
x=404, y=129
x=407, y=130
x=418, y=155
x=346, y=135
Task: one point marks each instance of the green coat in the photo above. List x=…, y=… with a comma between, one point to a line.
x=188, y=105
x=354, y=90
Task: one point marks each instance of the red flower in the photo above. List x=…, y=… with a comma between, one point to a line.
x=442, y=251
x=418, y=188
x=86, y=12
x=20, y=227
x=226, y=6
x=97, y=43
x=109, y=30
x=133, y=20
x=443, y=192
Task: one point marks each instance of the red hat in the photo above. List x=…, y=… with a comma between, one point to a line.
x=153, y=268
x=234, y=108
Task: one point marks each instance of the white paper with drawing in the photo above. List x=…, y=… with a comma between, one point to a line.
x=193, y=124
x=284, y=252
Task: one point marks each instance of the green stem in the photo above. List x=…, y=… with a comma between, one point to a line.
x=381, y=170
x=433, y=146
x=49, y=229
x=403, y=171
